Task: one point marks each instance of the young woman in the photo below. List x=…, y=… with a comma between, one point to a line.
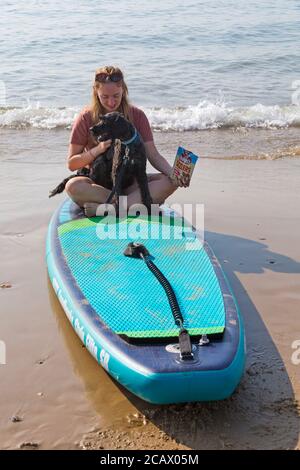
x=110, y=93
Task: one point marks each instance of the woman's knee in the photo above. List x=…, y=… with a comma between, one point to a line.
x=161, y=189
x=167, y=184
x=76, y=188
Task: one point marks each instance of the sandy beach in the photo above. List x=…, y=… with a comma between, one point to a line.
x=55, y=395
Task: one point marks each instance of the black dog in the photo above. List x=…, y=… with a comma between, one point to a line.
x=123, y=162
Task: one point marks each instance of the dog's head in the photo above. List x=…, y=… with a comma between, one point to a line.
x=112, y=126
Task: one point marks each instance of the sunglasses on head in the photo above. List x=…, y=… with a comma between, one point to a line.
x=103, y=77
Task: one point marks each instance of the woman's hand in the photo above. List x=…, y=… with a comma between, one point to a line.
x=101, y=147
x=161, y=164
x=181, y=181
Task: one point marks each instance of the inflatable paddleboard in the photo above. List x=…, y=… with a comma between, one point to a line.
x=122, y=314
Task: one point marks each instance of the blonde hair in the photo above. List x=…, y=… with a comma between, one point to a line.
x=96, y=107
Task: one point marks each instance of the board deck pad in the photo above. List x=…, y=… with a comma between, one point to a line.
x=122, y=290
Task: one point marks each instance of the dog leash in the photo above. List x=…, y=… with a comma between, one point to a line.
x=119, y=175
x=123, y=165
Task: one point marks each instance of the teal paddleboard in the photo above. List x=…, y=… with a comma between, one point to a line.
x=123, y=316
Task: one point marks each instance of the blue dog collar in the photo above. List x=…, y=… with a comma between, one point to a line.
x=133, y=138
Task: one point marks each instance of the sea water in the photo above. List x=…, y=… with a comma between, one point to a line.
x=190, y=65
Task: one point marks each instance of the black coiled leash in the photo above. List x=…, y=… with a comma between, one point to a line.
x=137, y=250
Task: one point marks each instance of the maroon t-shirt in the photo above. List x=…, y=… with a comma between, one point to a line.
x=81, y=135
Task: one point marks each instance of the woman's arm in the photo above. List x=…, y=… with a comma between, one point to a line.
x=161, y=164
x=156, y=159
x=77, y=158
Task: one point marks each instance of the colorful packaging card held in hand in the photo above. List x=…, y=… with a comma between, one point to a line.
x=184, y=166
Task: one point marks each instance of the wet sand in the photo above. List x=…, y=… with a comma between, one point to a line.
x=62, y=399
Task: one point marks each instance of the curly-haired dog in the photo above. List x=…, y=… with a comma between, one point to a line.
x=123, y=162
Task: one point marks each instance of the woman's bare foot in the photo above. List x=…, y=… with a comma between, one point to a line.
x=92, y=209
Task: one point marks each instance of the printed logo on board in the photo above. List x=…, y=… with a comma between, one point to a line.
x=62, y=299
x=91, y=346
x=104, y=358
x=79, y=329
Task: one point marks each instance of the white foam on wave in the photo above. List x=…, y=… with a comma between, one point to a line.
x=36, y=116
x=207, y=115
x=204, y=115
